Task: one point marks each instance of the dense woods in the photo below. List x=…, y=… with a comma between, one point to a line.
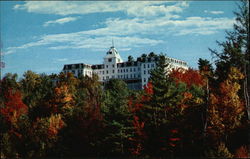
x=179, y=113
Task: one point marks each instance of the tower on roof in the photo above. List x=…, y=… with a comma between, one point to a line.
x=113, y=55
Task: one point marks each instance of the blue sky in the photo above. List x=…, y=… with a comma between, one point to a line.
x=43, y=36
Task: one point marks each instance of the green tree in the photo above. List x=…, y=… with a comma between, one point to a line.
x=235, y=52
x=130, y=58
x=117, y=118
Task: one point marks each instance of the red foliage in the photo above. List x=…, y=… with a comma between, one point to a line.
x=174, y=131
x=135, y=107
x=190, y=77
x=175, y=139
x=14, y=106
x=148, y=89
x=138, y=126
x=242, y=152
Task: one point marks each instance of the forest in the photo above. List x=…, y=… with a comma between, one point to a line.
x=203, y=113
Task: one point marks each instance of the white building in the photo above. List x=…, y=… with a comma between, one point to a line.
x=135, y=73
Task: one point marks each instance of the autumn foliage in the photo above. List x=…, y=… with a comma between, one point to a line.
x=190, y=77
x=14, y=107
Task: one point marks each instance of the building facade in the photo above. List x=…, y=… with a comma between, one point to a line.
x=135, y=73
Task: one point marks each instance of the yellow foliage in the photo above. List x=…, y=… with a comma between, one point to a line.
x=235, y=74
x=226, y=108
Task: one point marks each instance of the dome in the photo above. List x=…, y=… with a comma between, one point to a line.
x=113, y=53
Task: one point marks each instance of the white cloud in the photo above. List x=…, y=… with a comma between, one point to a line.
x=128, y=33
x=60, y=21
x=141, y=8
x=62, y=60
x=80, y=40
x=214, y=12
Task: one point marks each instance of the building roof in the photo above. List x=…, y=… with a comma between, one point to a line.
x=112, y=52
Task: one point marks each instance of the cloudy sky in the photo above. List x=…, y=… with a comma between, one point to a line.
x=43, y=36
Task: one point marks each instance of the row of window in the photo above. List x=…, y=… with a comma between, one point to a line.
x=152, y=65
x=146, y=72
x=120, y=71
x=79, y=72
x=144, y=65
x=127, y=70
x=123, y=76
x=177, y=61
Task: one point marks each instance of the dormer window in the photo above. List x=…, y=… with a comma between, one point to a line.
x=109, y=52
x=110, y=59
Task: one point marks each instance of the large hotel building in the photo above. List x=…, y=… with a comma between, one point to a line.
x=135, y=73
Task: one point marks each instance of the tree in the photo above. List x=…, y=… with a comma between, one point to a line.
x=31, y=85
x=13, y=116
x=144, y=55
x=83, y=134
x=117, y=118
x=152, y=54
x=204, y=65
x=236, y=52
x=13, y=107
x=226, y=109
x=130, y=58
x=9, y=81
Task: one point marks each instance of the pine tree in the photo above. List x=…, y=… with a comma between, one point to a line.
x=235, y=52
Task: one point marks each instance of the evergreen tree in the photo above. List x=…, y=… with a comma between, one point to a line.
x=235, y=52
x=117, y=118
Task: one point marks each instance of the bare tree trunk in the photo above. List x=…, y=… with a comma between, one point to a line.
x=206, y=109
x=246, y=92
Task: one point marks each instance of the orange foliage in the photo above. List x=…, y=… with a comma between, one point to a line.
x=55, y=124
x=226, y=108
x=14, y=106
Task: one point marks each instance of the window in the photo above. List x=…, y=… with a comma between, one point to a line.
x=110, y=59
x=113, y=76
x=152, y=65
x=144, y=65
x=103, y=78
x=118, y=76
x=144, y=72
x=113, y=71
x=148, y=66
x=107, y=77
x=130, y=69
x=126, y=70
x=139, y=68
x=131, y=76
x=121, y=70
x=118, y=71
x=134, y=69
x=107, y=71
x=103, y=72
x=113, y=66
x=107, y=66
x=144, y=79
x=148, y=71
